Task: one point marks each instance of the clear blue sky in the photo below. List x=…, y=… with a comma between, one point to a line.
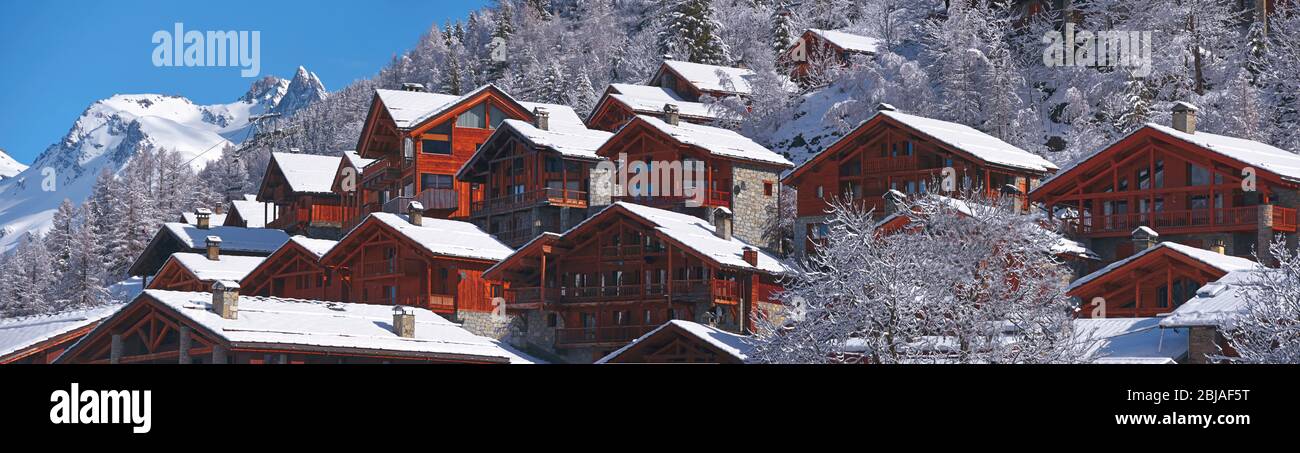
x=58, y=57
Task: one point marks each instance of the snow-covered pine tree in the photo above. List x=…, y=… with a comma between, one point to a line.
x=83, y=283
x=692, y=33
x=59, y=242
x=783, y=32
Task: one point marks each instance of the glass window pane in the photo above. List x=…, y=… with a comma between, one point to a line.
x=496, y=116
x=435, y=147
x=473, y=118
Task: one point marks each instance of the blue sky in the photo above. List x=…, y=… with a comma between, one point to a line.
x=58, y=57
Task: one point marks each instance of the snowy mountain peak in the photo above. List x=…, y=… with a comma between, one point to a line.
x=304, y=89
x=266, y=91
x=9, y=166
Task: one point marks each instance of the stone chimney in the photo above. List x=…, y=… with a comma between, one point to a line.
x=203, y=216
x=541, y=119
x=404, y=321
x=415, y=211
x=1219, y=247
x=1185, y=117
x=415, y=87
x=225, y=299
x=722, y=223
x=1144, y=238
x=750, y=255
x=214, y=247
x=672, y=115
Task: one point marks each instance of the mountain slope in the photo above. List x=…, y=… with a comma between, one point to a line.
x=304, y=89
x=9, y=166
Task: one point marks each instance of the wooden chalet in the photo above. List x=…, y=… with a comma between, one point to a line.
x=1184, y=184
x=1212, y=311
x=621, y=102
x=816, y=46
x=298, y=186
x=906, y=153
x=627, y=270
x=1154, y=281
x=679, y=341
x=247, y=213
x=185, y=271
x=294, y=271
x=176, y=237
x=739, y=174
x=535, y=177
x=223, y=327
x=347, y=185
x=691, y=81
x=39, y=339
x=411, y=260
x=420, y=140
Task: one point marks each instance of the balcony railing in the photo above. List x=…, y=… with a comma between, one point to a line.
x=432, y=302
x=565, y=197
x=600, y=335
x=316, y=215
x=720, y=291
x=430, y=199
x=1124, y=223
x=890, y=164
x=381, y=173
x=713, y=198
x=1284, y=219
x=379, y=268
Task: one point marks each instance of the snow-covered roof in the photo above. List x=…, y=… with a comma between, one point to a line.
x=718, y=141
x=848, y=41
x=306, y=323
x=307, y=173
x=698, y=235
x=651, y=100
x=319, y=247
x=23, y=332
x=708, y=77
x=1225, y=263
x=1130, y=340
x=408, y=108
x=965, y=138
x=213, y=219
x=253, y=212
x=730, y=343
x=580, y=143
x=1218, y=303
x=249, y=240
x=448, y=237
x=1249, y=152
x=226, y=267
x=355, y=160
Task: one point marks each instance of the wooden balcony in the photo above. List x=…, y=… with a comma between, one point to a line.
x=430, y=199
x=381, y=173
x=719, y=291
x=379, y=269
x=316, y=215
x=1284, y=219
x=712, y=198
x=1182, y=221
x=890, y=164
x=552, y=196
x=440, y=303
x=593, y=336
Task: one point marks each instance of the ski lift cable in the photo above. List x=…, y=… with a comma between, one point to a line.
x=252, y=121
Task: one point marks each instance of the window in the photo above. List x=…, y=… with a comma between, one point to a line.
x=551, y=320
x=767, y=188
x=475, y=117
x=432, y=181
x=554, y=164
x=1197, y=175
x=1160, y=174
x=648, y=319
x=821, y=193
x=495, y=117
x=435, y=147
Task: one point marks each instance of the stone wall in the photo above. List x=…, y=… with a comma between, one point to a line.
x=756, y=213
x=801, y=234
x=1201, y=342
x=600, y=188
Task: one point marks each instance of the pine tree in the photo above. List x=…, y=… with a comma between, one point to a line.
x=59, y=241
x=783, y=32
x=84, y=282
x=693, y=32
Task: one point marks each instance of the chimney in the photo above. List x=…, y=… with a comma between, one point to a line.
x=404, y=321
x=893, y=201
x=219, y=209
x=415, y=87
x=225, y=299
x=1185, y=117
x=1144, y=238
x=214, y=247
x=722, y=223
x=415, y=211
x=750, y=255
x=668, y=57
x=204, y=218
x=672, y=115
x=883, y=107
x=542, y=119
x=1219, y=247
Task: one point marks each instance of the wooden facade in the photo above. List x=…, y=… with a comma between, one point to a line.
x=293, y=272
x=673, y=343
x=1153, y=283
x=347, y=186
x=811, y=48
x=296, y=211
x=613, y=110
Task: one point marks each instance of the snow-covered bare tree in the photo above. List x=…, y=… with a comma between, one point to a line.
x=1269, y=329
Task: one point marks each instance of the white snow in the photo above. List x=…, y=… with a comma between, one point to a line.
x=1225, y=263
x=570, y=142
x=226, y=267
x=965, y=138
x=355, y=160
x=213, y=219
x=707, y=77
x=718, y=141
x=848, y=41
x=445, y=237
x=251, y=240
x=20, y=333
x=9, y=166
x=1249, y=152
x=1216, y=304
x=319, y=247
x=306, y=324
x=410, y=108
x=307, y=173
x=698, y=235
x=733, y=344
x=1130, y=340
x=651, y=100
x=253, y=212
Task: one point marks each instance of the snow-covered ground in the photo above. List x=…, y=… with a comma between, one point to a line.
x=9, y=166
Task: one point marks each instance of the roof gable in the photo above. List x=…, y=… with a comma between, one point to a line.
x=715, y=141
x=302, y=173
x=1208, y=259
x=436, y=237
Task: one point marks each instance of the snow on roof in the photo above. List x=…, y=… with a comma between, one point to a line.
x=1218, y=303
x=651, y=99
x=562, y=117
x=319, y=247
x=1130, y=340
x=277, y=321
x=253, y=212
x=408, y=108
x=1225, y=263
x=307, y=173
x=570, y=142
x=848, y=41
x=226, y=267
x=1066, y=246
x=23, y=332
x=213, y=219
x=718, y=141
x=731, y=343
x=239, y=239
x=706, y=77
x=1250, y=152
x=965, y=138
x=355, y=160
x=448, y=237
x=697, y=234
